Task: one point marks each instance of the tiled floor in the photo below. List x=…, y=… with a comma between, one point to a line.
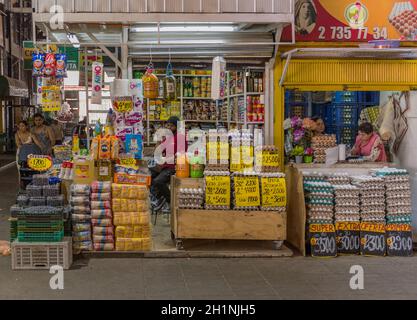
x=257, y=278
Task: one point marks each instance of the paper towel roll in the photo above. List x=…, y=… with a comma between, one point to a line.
x=120, y=88
x=342, y=152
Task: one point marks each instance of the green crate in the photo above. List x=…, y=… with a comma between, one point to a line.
x=40, y=237
x=51, y=226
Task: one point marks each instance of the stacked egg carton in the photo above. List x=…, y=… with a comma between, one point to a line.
x=372, y=197
x=102, y=216
x=398, y=194
x=320, y=144
x=338, y=179
x=347, y=203
x=191, y=198
x=319, y=199
x=81, y=217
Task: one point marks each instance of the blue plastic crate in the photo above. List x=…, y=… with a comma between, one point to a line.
x=342, y=115
x=369, y=98
x=345, y=97
x=344, y=134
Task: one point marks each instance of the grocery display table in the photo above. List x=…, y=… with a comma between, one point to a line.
x=297, y=214
x=223, y=224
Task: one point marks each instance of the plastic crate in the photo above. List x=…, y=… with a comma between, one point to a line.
x=369, y=98
x=342, y=115
x=344, y=134
x=41, y=256
x=345, y=97
x=40, y=227
x=40, y=237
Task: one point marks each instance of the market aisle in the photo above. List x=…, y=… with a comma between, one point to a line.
x=9, y=186
x=280, y=278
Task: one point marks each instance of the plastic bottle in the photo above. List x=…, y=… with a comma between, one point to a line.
x=84, y=172
x=150, y=84
x=104, y=170
x=182, y=166
x=75, y=144
x=197, y=166
x=97, y=129
x=170, y=85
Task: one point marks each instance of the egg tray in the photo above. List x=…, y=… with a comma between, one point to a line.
x=320, y=221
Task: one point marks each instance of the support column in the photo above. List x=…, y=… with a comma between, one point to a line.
x=125, y=52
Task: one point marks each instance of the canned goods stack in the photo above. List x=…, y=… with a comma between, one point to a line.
x=81, y=217
x=320, y=144
x=347, y=203
x=398, y=194
x=102, y=216
x=131, y=217
x=372, y=194
x=320, y=202
x=191, y=198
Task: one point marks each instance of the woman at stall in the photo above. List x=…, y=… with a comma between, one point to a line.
x=44, y=134
x=26, y=143
x=319, y=126
x=369, y=144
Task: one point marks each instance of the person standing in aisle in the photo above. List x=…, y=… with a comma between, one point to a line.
x=44, y=134
x=26, y=143
x=58, y=132
x=161, y=174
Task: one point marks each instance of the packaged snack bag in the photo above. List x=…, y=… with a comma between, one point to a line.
x=115, y=148
x=94, y=150
x=61, y=65
x=38, y=60
x=50, y=65
x=105, y=148
x=134, y=145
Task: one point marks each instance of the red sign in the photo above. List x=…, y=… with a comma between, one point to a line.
x=353, y=21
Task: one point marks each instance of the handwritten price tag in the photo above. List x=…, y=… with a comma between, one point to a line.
x=274, y=192
x=39, y=162
x=267, y=159
x=348, y=237
x=247, y=192
x=218, y=191
x=322, y=240
x=123, y=104
x=373, y=241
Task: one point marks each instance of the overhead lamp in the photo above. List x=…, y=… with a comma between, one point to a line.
x=72, y=37
x=187, y=28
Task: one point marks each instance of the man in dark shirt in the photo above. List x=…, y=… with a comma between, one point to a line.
x=161, y=174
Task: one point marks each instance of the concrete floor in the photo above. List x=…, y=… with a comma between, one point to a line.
x=211, y=278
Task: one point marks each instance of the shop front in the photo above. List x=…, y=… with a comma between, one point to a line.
x=339, y=88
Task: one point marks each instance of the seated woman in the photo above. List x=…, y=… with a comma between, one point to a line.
x=369, y=144
x=319, y=127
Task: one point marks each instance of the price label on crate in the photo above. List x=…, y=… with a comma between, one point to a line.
x=274, y=192
x=39, y=162
x=247, y=157
x=235, y=159
x=267, y=159
x=373, y=241
x=123, y=104
x=399, y=240
x=348, y=237
x=247, y=193
x=322, y=240
x=218, y=191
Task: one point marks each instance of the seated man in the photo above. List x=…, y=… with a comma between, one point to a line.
x=161, y=174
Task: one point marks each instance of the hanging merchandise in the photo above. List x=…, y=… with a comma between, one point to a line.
x=61, y=65
x=105, y=148
x=115, y=148
x=123, y=104
x=96, y=96
x=134, y=145
x=38, y=60
x=170, y=84
x=218, y=87
x=150, y=83
x=50, y=65
x=51, y=98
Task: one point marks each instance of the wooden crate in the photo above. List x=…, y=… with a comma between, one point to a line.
x=223, y=224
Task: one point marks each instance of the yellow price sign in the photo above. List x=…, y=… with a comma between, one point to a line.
x=129, y=162
x=39, y=162
x=267, y=159
x=274, y=192
x=123, y=104
x=218, y=191
x=247, y=191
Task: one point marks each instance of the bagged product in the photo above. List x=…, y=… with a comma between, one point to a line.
x=61, y=65
x=80, y=217
x=50, y=65
x=105, y=148
x=101, y=196
x=80, y=189
x=95, y=205
x=94, y=149
x=105, y=231
x=81, y=236
x=83, y=245
x=101, y=187
x=103, y=239
x=38, y=60
x=101, y=214
x=103, y=246
x=80, y=227
x=106, y=222
x=115, y=148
